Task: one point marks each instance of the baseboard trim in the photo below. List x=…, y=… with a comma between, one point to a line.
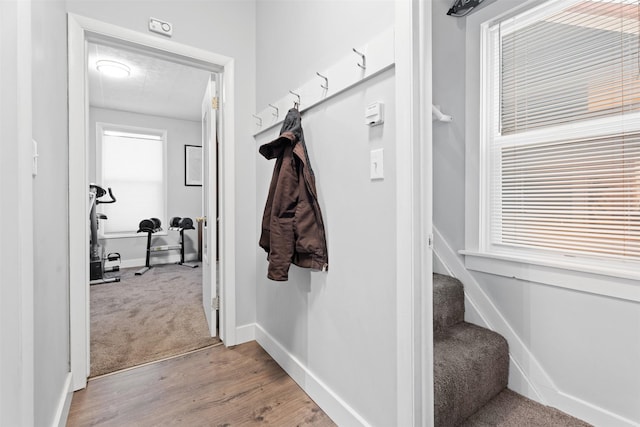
x=245, y=333
x=439, y=266
x=64, y=403
x=526, y=375
x=336, y=408
x=594, y=414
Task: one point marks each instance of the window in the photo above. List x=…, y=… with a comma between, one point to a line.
x=133, y=164
x=560, y=133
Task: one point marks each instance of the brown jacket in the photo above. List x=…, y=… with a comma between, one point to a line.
x=292, y=227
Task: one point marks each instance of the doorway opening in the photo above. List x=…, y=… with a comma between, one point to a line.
x=216, y=230
x=146, y=127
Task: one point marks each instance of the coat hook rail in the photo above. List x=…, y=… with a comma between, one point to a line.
x=259, y=120
x=364, y=59
x=296, y=103
x=326, y=81
x=277, y=113
x=377, y=55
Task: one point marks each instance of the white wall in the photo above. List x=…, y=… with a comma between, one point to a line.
x=297, y=38
x=339, y=327
x=50, y=225
x=448, y=138
x=588, y=345
x=227, y=28
x=182, y=201
x=16, y=212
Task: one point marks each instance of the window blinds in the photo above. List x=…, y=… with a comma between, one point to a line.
x=133, y=165
x=573, y=191
x=578, y=64
x=578, y=195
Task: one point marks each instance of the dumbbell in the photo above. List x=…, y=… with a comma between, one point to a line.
x=156, y=223
x=186, y=223
x=175, y=222
x=146, y=225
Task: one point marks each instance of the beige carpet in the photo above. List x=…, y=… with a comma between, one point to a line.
x=146, y=318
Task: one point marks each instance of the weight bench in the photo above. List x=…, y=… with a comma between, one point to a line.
x=153, y=225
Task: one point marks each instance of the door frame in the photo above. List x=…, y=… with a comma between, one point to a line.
x=209, y=140
x=414, y=211
x=80, y=30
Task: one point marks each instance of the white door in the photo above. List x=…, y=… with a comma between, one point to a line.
x=209, y=206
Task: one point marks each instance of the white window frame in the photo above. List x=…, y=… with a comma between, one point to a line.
x=594, y=274
x=101, y=127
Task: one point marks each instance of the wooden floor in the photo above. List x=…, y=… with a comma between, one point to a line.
x=216, y=386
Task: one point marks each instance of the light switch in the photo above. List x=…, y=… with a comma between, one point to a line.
x=377, y=164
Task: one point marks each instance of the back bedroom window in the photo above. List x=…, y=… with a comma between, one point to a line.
x=132, y=162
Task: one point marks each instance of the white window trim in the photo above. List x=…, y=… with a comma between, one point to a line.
x=101, y=127
x=600, y=280
x=613, y=279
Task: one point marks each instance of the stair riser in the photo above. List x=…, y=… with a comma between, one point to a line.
x=448, y=302
x=471, y=366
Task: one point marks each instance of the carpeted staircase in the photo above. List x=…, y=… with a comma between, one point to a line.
x=471, y=370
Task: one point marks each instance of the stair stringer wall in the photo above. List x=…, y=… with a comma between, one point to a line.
x=480, y=311
x=526, y=375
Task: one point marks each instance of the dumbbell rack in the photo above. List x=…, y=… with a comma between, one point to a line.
x=150, y=249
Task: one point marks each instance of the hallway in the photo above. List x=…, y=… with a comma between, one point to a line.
x=215, y=386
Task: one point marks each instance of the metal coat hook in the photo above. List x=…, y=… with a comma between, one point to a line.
x=438, y=115
x=277, y=113
x=259, y=119
x=364, y=59
x=295, y=104
x=326, y=81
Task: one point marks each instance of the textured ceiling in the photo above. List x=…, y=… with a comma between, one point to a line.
x=155, y=86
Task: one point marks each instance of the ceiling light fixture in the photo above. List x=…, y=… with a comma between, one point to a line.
x=113, y=68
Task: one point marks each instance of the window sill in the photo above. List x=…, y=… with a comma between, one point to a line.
x=607, y=281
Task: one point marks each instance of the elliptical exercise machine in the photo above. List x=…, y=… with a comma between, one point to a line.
x=96, y=251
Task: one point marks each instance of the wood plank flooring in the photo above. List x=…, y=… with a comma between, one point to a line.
x=217, y=386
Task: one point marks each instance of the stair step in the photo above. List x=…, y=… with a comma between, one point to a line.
x=510, y=409
x=448, y=302
x=471, y=366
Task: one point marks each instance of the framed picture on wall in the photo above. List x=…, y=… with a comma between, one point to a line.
x=192, y=165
